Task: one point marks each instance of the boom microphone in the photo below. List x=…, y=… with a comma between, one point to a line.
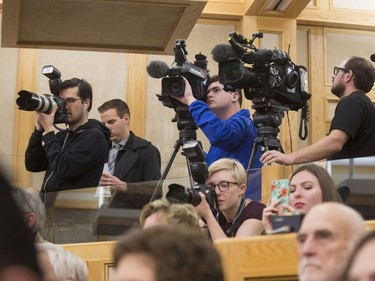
x=223, y=52
x=372, y=57
x=157, y=69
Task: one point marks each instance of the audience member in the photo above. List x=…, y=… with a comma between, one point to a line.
x=131, y=159
x=309, y=185
x=234, y=216
x=328, y=234
x=72, y=158
x=163, y=212
x=229, y=128
x=58, y=264
x=32, y=208
x=18, y=260
x=361, y=264
x=166, y=253
x=352, y=131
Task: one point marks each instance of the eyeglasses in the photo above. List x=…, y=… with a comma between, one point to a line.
x=336, y=70
x=71, y=100
x=223, y=185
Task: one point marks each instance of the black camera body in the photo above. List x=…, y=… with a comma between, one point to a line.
x=173, y=84
x=272, y=78
x=29, y=101
x=179, y=194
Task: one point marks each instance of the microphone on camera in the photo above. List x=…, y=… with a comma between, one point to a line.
x=157, y=69
x=372, y=57
x=223, y=52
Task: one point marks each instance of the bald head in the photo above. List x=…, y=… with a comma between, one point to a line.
x=326, y=238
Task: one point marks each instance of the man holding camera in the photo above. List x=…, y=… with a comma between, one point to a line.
x=229, y=128
x=75, y=157
x=352, y=131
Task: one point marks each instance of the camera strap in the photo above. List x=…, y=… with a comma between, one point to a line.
x=235, y=222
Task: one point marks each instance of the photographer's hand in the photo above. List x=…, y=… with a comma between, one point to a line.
x=188, y=96
x=45, y=121
x=278, y=157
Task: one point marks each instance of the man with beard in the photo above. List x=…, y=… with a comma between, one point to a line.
x=352, y=131
x=328, y=234
x=75, y=157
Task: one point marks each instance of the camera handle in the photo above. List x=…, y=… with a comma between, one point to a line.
x=176, y=147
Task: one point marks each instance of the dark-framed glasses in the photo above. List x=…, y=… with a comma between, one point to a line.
x=223, y=185
x=336, y=70
x=71, y=100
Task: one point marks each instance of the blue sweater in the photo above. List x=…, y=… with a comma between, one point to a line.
x=231, y=138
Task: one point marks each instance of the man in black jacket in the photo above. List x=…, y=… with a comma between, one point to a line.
x=75, y=157
x=136, y=159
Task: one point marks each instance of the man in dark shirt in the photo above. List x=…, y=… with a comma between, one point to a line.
x=352, y=132
x=75, y=157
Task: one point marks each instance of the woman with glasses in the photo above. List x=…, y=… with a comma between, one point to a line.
x=233, y=215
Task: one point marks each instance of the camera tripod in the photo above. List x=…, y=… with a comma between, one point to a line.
x=187, y=132
x=267, y=120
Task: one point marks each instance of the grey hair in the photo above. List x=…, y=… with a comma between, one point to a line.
x=66, y=265
x=28, y=201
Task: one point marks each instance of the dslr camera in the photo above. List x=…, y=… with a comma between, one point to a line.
x=198, y=169
x=172, y=83
x=30, y=101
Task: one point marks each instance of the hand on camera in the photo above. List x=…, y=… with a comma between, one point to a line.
x=203, y=208
x=188, y=97
x=271, y=156
x=45, y=121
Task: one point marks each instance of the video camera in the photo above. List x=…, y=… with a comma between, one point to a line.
x=199, y=171
x=29, y=101
x=172, y=83
x=273, y=77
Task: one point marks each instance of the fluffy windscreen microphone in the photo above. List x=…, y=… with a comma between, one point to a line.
x=372, y=57
x=157, y=69
x=223, y=52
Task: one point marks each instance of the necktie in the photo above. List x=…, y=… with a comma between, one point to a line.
x=112, y=157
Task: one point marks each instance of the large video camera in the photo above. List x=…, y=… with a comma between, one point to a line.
x=272, y=78
x=29, y=101
x=172, y=83
x=199, y=171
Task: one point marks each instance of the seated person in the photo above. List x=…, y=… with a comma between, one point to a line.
x=233, y=215
x=163, y=212
x=32, y=208
x=309, y=185
x=58, y=264
x=166, y=253
x=328, y=234
x=361, y=264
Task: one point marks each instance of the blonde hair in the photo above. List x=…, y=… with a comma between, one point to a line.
x=235, y=167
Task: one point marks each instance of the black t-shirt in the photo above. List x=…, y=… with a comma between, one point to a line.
x=355, y=115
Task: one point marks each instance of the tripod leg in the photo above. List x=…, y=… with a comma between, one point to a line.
x=166, y=170
x=253, y=153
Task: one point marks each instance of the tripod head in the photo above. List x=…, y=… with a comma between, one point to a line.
x=185, y=124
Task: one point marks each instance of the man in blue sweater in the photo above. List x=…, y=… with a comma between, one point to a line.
x=229, y=128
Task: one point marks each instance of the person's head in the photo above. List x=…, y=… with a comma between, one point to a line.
x=32, y=208
x=228, y=178
x=162, y=212
x=356, y=70
x=166, y=253
x=361, y=263
x=78, y=96
x=328, y=234
x=58, y=264
x=220, y=100
x=115, y=115
x=309, y=185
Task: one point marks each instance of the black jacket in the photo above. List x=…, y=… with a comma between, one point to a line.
x=137, y=161
x=71, y=159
